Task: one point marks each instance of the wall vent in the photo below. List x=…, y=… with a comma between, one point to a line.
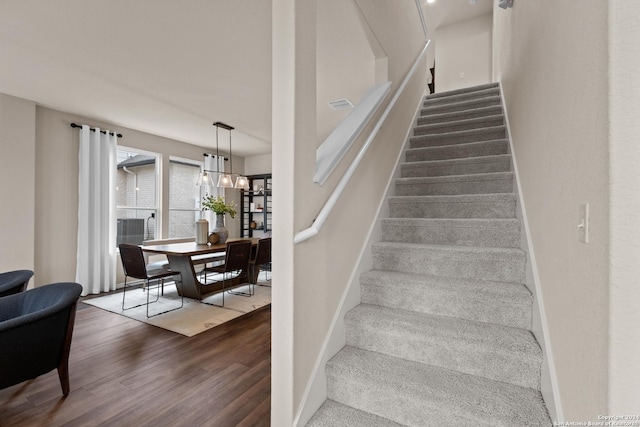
x=340, y=104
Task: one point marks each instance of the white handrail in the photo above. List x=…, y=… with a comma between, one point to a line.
x=337, y=192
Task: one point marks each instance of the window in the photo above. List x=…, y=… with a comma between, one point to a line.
x=184, y=197
x=137, y=196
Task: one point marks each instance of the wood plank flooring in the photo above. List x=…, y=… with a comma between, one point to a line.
x=126, y=373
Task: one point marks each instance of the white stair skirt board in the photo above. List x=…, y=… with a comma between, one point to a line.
x=442, y=336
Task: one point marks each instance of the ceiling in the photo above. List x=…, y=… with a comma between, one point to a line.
x=169, y=68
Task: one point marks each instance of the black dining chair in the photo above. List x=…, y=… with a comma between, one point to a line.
x=235, y=267
x=13, y=282
x=261, y=262
x=135, y=266
x=36, y=327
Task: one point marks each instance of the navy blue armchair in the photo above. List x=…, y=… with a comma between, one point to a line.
x=35, y=333
x=13, y=282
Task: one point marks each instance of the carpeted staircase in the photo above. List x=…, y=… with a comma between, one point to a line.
x=442, y=337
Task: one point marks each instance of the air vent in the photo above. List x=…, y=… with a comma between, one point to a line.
x=340, y=104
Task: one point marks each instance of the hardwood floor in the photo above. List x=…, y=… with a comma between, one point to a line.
x=126, y=373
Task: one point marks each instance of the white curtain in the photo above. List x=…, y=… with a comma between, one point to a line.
x=216, y=164
x=96, y=256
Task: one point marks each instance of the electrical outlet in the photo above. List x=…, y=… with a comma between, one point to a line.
x=462, y=75
x=583, y=223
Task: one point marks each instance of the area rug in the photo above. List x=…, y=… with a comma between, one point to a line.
x=189, y=320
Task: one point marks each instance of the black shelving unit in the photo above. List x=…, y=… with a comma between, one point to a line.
x=255, y=209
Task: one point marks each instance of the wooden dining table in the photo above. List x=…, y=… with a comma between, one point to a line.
x=181, y=258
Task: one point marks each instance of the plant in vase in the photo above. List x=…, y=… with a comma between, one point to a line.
x=217, y=205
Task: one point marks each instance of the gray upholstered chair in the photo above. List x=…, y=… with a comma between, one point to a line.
x=36, y=327
x=13, y=282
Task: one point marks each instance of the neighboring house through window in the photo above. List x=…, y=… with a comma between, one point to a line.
x=184, y=197
x=137, y=196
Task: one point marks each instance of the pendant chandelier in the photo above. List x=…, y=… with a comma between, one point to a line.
x=225, y=180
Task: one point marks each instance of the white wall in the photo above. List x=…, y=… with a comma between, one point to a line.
x=17, y=183
x=552, y=62
x=624, y=161
x=345, y=62
x=464, y=48
x=255, y=165
x=312, y=276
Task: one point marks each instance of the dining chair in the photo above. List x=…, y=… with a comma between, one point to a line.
x=235, y=267
x=135, y=266
x=262, y=261
x=13, y=282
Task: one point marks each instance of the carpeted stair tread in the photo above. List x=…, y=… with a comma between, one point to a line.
x=507, y=304
x=491, y=351
x=461, y=105
x=459, y=115
x=333, y=414
x=458, y=137
x=462, y=96
x=458, y=151
x=464, y=166
x=492, y=232
x=459, y=125
x=497, y=264
x=499, y=205
x=483, y=183
x=417, y=394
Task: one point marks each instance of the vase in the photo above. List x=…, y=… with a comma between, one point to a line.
x=220, y=229
x=202, y=231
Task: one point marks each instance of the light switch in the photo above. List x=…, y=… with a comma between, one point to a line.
x=583, y=223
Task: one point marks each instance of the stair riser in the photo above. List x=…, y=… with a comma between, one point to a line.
x=445, y=351
x=461, y=106
x=479, y=94
x=414, y=170
x=506, y=209
x=442, y=263
x=458, y=126
x=504, y=237
x=489, y=148
x=461, y=115
x=482, y=307
x=453, y=188
x=450, y=93
x=447, y=139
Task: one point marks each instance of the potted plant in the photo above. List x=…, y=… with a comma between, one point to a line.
x=217, y=205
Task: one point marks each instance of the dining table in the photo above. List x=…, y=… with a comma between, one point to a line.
x=183, y=257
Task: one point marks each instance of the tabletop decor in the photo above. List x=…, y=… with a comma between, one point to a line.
x=217, y=205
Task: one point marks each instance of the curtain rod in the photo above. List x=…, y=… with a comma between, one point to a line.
x=73, y=125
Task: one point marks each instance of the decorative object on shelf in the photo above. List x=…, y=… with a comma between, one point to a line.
x=225, y=180
x=219, y=207
x=202, y=231
x=253, y=225
x=214, y=238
